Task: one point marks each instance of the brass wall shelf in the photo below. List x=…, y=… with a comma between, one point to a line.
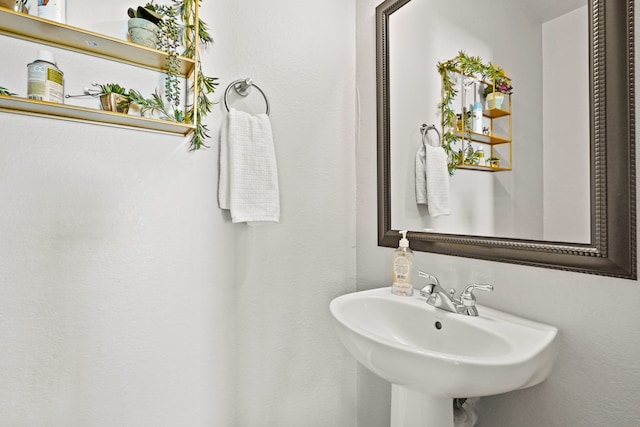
x=482, y=168
x=494, y=113
x=482, y=138
x=39, y=30
x=12, y=104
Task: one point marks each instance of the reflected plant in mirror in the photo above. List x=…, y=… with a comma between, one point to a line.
x=570, y=202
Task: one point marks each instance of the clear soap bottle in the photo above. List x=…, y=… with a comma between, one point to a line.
x=401, y=268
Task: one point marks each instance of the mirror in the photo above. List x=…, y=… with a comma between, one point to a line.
x=502, y=216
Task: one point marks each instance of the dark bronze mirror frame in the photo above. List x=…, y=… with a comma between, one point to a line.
x=612, y=251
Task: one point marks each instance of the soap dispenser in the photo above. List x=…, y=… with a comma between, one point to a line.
x=401, y=268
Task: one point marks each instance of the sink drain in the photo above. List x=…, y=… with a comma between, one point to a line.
x=438, y=325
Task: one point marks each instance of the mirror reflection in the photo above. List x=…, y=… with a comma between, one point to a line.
x=541, y=191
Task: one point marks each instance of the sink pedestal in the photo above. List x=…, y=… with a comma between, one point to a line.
x=411, y=408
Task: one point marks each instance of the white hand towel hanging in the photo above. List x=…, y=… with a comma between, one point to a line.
x=432, y=176
x=248, y=182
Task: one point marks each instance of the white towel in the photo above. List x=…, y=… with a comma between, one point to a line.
x=432, y=180
x=421, y=176
x=248, y=181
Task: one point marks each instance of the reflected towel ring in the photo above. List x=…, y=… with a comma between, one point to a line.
x=242, y=87
x=424, y=129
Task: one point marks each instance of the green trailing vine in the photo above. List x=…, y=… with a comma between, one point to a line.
x=470, y=66
x=198, y=110
x=206, y=84
x=169, y=42
x=178, y=28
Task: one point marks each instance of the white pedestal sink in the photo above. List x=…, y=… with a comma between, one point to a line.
x=432, y=356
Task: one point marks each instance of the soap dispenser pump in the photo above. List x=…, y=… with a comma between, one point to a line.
x=401, y=268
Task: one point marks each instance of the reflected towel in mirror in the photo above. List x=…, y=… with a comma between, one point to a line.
x=432, y=180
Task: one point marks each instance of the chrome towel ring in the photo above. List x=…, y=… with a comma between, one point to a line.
x=424, y=129
x=242, y=88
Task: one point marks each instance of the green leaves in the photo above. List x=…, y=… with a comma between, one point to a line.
x=112, y=88
x=4, y=91
x=153, y=105
x=172, y=34
x=169, y=41
x=177, y=29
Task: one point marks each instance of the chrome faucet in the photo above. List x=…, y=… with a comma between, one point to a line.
x=439, y=298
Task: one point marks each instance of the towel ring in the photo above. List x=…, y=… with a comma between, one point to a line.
x=242, y=87
x=424, y=129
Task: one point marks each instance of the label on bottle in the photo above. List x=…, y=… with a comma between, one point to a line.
x=45, y=82
x=401, y=269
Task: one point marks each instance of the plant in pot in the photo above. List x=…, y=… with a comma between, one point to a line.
x=493, y=161
x=114, y=97
x=471, y=157
x=143, y=25
x=495, y=93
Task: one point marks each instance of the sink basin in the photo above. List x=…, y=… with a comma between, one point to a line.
x=435, y=355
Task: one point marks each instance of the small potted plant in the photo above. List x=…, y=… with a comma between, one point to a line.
x=114, y=97
x=495, y=93
x=493, y=161
x=143, y=25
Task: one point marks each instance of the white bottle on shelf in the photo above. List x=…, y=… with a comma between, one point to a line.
x=55, y=10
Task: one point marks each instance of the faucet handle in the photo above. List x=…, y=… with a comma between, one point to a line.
x=434, y=280
x=428, y=290
x=467, y=297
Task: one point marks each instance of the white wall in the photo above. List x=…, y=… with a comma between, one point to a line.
x=595, y=381
x=127, y=297
x=566, y=96
x=291, y=369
